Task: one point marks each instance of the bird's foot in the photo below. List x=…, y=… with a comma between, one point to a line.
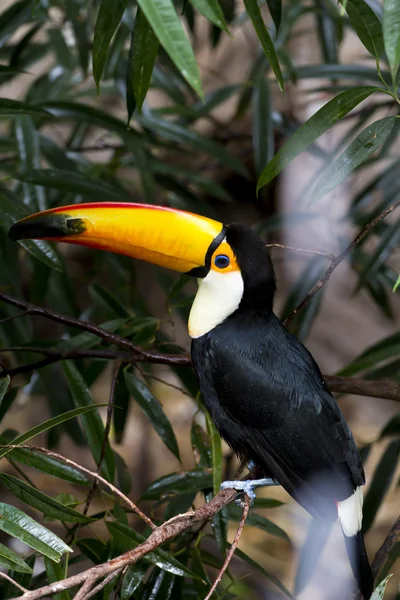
x=247, y=487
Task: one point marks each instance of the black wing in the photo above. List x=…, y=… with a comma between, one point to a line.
x=270, y=403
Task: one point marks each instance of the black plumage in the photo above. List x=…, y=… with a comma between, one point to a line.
x=269, y=401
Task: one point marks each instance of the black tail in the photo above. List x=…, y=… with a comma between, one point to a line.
x=360, y=564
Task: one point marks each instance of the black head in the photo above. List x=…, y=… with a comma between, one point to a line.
x=255, y=266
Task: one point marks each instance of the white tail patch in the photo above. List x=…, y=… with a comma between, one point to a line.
x=350, y=513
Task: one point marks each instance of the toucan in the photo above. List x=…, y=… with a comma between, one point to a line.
x=261, y=386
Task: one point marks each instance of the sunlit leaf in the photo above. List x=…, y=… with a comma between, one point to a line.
x=153, y=411
x=367, y=142
x=312, y=129
x=132, y=579
x=17, y=524
x=379, y=593
x=212, y=11
x=255, y=15
x=396, y=285
x=162, y=16
x=10, y=560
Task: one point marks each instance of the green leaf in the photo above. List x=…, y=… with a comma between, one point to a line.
x=182, y=135
x=51, y=466
x=216, y=453
x=74, y=182
x=9, y=108
x=132, y=579
x=164, y=560
x=380, y=483
x=29, y=157
x=46, y=425
x=108, y=19
x=211, y=10
x=10, y=560
x=396, y=285
x=312, y=129
x=163, y=19
x=367, y=142
x=15, y=15
x=11, y=210
x=254, y=13
x=194, y=480
x=366, y=25
x=153, y=411
x=263, y=131
x=48, y=506
x=255, y=520
x=17, y=524
x=256, y=565
x=275, y=8
x=144, y=53
x=55, y=572
x=92, y=423
x=379, y=592
x=391, y=35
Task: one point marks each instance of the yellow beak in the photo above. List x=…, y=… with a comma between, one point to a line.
x=171, y=238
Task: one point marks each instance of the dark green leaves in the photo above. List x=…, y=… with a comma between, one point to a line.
x=366, y=24
x=10, y=107
x=162, y=16
x=367, y=142
x=153, y=411
x=17, y=524
x=49, y=465
x=93, y=425
x=144, y=53
x=10, y=560
x=212, y=11
x=254, y=13
x=108, y=19
x=312, y=129
x=391, y=35
x=50, y=508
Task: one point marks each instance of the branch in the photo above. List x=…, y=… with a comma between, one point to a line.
x=18, y=585
x=338, y=259
x=385, y=549
x=160, y=535
x=385, y=389
x=233, y=547
x=68, y=461
x=302, y=250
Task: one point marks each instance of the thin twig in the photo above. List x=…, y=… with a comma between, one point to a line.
x=102, y=584
x=302, y=250
x=384, y=550
x=68, y=461
x=18, y=585
x=338, y=259
x=85, y=589
x=233, y=547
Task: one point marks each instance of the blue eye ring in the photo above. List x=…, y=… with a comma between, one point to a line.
x=222, y=261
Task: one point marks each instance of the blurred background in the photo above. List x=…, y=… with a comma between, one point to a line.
x=68, y=142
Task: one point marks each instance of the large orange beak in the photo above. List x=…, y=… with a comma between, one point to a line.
x=175, y=239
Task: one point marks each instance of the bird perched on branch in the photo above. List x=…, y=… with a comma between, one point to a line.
x=261, y=386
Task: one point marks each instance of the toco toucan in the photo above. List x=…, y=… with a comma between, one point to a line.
x=261, y=386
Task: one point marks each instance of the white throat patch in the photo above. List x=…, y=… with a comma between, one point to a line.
x=218, y=297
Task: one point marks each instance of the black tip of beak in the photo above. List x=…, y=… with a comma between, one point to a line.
x=46, y=226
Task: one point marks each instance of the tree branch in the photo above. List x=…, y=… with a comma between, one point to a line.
x=384, y=550
x=338, y=259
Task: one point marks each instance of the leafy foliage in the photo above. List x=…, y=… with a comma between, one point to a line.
x=116, y=104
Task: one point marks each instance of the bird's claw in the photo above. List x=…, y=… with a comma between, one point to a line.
x=246, y=488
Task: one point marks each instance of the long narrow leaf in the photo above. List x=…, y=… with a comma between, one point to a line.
x=162, y=16
x=144, y=53
x=212, y=11
x=46, y=425
x=254, y=13
x=153, y=411
x=366, y=24
x=391, y=34
x=108, y=19
x=367, y=142
x=312, y=129
x=10, y=560
x=17, y=524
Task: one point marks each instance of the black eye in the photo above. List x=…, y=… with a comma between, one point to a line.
x=222, y=261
